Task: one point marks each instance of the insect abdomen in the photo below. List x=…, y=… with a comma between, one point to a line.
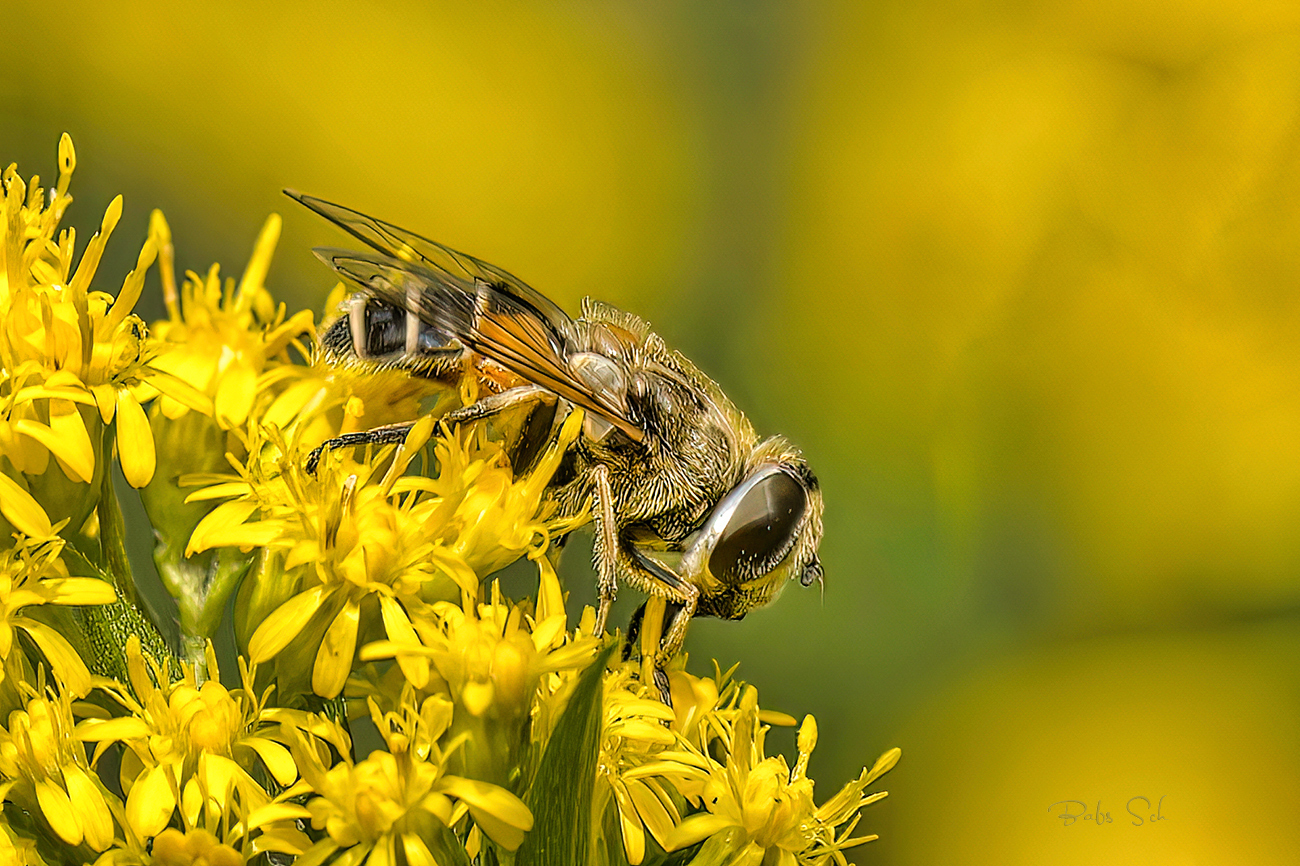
x=376, y=330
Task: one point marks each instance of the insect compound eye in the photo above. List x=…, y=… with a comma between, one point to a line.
x=385, y=329
x=760, y=527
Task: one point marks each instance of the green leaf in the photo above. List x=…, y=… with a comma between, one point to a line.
x=561, y=793
x=108, y=626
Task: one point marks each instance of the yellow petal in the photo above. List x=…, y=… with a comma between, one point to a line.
x=273, y=812
x=399, y=628
x=216, y=527
x=20, y=509
x=276, y=758
x=151, y=802
x=382, y=854
x=131, y=287
x=96, y=820
x=657, y=818
x=334, y=658
x=106, y=399
x=477, y=697
x=134, y=441
x=486, y=801
x=455, y=568
x=630, y=825
x=235, y=393
x=255, y=273
x=58, y=811
x=750, y=855
x=417, y=853
x=883, y=765
x=67, y=162
x=696, y=828
x=68, y=666
x=95, y=249
x=643, y=731
x=225, y=490
x=78, y=590
x=180, y=391
x=284, y=624
x=550, y=595
x=218, y=775
x=778, y=718
x=73, y=392
x=66, y=438
x=191, y=804
x=124, y=728
x=294, y=401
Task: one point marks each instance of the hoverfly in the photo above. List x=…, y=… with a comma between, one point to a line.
x=687, y=502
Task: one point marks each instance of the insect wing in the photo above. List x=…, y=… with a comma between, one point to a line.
x=409, y=247
x=496, y=324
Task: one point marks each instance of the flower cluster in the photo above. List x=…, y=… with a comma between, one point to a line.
x=383, y=700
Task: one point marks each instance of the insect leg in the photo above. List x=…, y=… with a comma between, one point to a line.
x=633, y=631
x=494, y=403
x=376, y=436
x=677, y=591
x=681, y=595
x=607, y=547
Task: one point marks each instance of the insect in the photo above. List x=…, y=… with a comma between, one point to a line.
x=687, y=502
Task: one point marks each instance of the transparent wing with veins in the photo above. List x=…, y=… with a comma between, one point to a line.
x=477, y=304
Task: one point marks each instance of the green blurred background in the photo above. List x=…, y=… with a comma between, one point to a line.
x=1021, y=278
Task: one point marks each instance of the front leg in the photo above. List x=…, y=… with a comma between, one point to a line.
x=683, y=597
x=606, y=551
x=681, y=594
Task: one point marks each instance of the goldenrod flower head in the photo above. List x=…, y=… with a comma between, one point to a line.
x=353, y=540
x=635, y=730
x=492, y=657
x=347, y=536
x=759, y=811
x=231, y=342
x=31, y=575
x=401, y=796
x=51, y=777
x=71, y=359
x=496, y=664
x=199, y=740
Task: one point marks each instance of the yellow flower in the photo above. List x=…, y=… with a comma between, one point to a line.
x=401, y=797
x=200, y=741
x=650, y=753
x=352, y=542
x=72, y=360
x=759, y=811
x=230, y=342
x=33, y=575
x=635, y=730
x=495, y=663
x=50, y=774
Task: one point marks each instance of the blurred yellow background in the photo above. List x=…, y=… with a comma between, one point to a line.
x=1021, y=279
